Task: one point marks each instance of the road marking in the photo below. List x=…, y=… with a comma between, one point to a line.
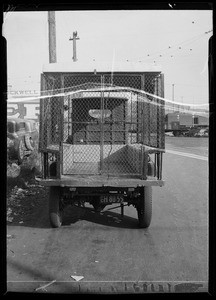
x=187, y=155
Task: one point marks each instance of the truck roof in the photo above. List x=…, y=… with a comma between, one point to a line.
x=100, y=66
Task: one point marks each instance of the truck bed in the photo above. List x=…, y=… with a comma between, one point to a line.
x=122, y=166
x=107, y=159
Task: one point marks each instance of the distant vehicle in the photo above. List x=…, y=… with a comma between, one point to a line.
x=169, y=133
x=22, y=138
x=204, y=132
x=184, y=124
x=192, y=132
x=196, y=132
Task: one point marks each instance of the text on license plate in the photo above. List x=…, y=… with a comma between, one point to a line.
x=111, y=199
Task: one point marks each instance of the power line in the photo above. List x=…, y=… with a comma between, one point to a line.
x=171, y=49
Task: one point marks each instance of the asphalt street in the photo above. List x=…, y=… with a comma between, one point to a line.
x=103, y=253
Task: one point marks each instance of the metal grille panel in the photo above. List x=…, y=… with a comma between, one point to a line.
x=133, y=81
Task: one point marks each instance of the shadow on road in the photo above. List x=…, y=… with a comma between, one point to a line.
x=74, y=214
x=38, y=216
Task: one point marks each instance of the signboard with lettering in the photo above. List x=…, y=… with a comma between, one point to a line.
x=22, y=93
x=28, y=109
x=23, y=110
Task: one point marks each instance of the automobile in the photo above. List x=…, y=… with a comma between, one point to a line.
x=206, y=132
x=22, y=138
x=169, y=133
x=202, y=133
x=192, y=132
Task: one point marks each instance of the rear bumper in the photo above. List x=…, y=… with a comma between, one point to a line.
x=98, y=181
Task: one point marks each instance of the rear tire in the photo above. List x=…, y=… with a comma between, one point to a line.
x=55, y=209
x=29, y=143
x=144, y=207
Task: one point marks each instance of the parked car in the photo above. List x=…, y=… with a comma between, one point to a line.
x=22, y=138
x=192, y=132
x=202, y=133
x=169, y=133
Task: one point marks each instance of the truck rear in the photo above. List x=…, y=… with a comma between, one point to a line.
x=101, y=141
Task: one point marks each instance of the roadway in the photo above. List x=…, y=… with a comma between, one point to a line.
x=113, y=254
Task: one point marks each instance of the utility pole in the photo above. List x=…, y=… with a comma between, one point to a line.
x=173, y=95
x=182, y=108
x=75, y=37
x=52, y=37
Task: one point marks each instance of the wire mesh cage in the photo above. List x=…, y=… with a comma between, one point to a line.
x=99, y=124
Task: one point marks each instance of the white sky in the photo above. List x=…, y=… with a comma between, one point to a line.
x=134, y=35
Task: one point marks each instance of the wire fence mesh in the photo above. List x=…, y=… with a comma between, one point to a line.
x=101, y=122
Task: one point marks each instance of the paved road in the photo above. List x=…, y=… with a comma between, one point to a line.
x=113, y=255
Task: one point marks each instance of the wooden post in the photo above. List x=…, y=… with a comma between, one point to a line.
x=52, y=37
x=75, y=37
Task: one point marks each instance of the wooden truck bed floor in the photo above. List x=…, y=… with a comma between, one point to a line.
x=98, y=181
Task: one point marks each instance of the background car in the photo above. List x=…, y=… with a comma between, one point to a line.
x=203, y=132
x=22, y=138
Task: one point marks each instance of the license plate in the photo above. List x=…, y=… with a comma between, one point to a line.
x=106, y=199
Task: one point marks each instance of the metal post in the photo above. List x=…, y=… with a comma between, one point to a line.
x=102, y=124
x=173, y=85
x=162, y=85
x=193, y=119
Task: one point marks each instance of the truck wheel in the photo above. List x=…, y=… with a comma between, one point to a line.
x=144, y=207
x=55, y=209
x=29, y=142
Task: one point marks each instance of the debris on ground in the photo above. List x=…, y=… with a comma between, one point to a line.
x=43, y=287
x=13, y=170
x=22, y=204
x=24, y=194
x=77, y=278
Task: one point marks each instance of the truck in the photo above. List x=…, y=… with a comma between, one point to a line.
x=101, y=138
x=186, y=124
